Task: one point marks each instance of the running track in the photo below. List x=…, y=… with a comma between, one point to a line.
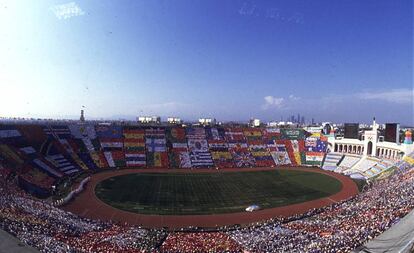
x=87, y=205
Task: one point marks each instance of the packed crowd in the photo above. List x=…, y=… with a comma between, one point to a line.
x=200, y=242
x=338, y=228
x=50, y=229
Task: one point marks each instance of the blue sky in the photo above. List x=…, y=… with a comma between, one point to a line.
x=232, y=60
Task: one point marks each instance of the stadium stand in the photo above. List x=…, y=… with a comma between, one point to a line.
x=331, y=161
x=347, y=163
x=35, y=158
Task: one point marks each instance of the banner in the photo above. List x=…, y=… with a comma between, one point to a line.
x=292, y=134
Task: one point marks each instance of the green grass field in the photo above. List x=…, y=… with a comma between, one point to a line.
x=212, y=193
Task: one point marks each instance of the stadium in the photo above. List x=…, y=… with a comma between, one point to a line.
x=238, y=126
x=99, y=187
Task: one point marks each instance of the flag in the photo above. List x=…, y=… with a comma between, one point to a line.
x=280, y=157
x=109, y=143
x=234, y=134
x=119, y=158
x=157, y=159
x=134, y=133
x=185, y=160
x=200, y=159
x=215, y=133
x=271, y=145
x=109, y=159
x=198, y=145
x=295, y=145
x=281, y=147
x=310, y=143
x=104, y=131
x=238, y=146
x=271, y=133
x=218, y=145
x=176, y=134
x=134, y=144
x=155, y=145
x=155, y=133
x=59, y=131
x=314, y=156
x=135, y=159
x=196, y=133
x=222, y=159
x=180, y=146
x=243, y=159
x=321, y=146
